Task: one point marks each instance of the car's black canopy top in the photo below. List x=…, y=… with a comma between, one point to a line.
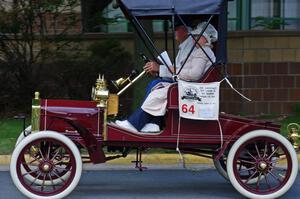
x=142, y=8
x=172, y=9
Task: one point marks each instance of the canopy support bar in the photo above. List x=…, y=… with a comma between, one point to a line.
x=151, y=42
x=166, y=27
x=143, y=39
x=196, y=41
x=173, y=41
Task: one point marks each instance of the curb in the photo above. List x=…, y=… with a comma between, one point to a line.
x=4, y=159
x=155, y=158
x=161, y=158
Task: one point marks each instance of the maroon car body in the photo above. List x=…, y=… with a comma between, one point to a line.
x=75, y=118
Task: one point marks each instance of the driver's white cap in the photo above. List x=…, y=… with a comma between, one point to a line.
x=210, y=33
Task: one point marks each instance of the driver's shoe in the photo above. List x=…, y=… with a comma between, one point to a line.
x=150, y=127
x=126, y=125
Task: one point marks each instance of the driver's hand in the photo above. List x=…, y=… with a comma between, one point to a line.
x=151, y=67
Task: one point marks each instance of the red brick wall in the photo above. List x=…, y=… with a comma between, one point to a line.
x=273, y=87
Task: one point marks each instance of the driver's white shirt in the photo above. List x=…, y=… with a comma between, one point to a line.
x=183, y=51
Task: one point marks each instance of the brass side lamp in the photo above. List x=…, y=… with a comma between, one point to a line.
x=104, y=99
x=100, y=92
x=293, y=136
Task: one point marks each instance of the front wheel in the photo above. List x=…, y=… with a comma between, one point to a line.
x=267, y=157
x=47, y=157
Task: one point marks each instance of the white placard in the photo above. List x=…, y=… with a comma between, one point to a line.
x=166, y=58
x=199, y=101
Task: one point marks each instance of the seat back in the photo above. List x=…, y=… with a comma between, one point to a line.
x=213, y=74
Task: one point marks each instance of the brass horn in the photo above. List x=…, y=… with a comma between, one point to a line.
x=124, y=83
x=133, y=77
x=121, y=82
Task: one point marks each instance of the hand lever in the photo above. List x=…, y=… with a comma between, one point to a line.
x=144, y=57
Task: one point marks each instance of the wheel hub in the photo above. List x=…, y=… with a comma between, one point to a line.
x=46, y=167
x=262, y=165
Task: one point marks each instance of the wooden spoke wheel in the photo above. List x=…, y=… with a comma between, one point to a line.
x=62, y=170
x=267, y=159
x=46, y=165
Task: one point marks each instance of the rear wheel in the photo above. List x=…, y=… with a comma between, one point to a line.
x=266, y=157
x=46, y=165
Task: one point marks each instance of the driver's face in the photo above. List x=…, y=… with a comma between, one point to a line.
x=181, y=33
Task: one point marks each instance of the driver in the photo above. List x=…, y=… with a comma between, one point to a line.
x=148, y=118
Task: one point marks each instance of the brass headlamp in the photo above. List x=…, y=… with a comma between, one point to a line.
x=293, y=136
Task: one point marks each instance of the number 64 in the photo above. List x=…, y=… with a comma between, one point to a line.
x=186, y=109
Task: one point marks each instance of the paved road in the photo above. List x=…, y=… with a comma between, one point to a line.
x=154, y=183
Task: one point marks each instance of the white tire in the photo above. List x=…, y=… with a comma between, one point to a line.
x=265, y=164
x=26, y=186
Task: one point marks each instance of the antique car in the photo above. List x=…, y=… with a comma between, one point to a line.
x=47, y=160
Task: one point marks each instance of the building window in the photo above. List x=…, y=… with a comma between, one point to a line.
x=233, y=18
x=275, y=14
x=114, y=20
x=291, y=13
x=100, y=16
